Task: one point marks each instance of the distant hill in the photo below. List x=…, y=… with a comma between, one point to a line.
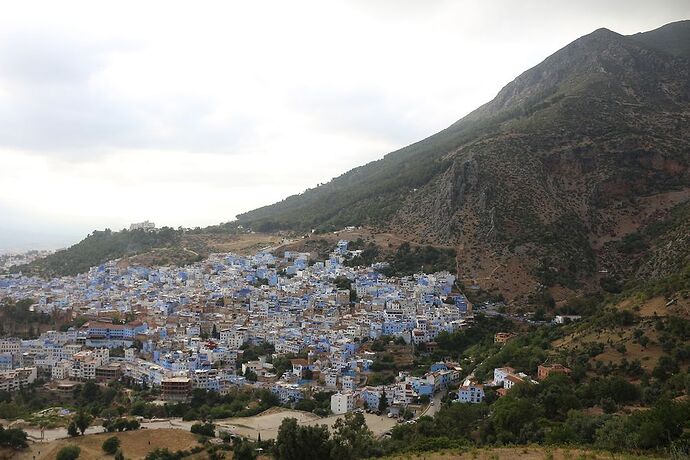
x=99, y=247
x=165, y=246
x=537, y=185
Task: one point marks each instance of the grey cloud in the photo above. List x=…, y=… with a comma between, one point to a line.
x=48, y=104
x=362, y=112
x=43, y=58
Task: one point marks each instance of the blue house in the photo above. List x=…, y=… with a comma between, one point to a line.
x=421, y=386
x=371, y=397
x=5, y=361
x=300, y=264
x=461, y=303
x=438, y=367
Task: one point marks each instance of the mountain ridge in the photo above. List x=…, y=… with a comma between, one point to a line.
x=432, y=144
x=537, y=176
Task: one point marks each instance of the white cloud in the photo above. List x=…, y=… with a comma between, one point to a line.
x=188, y=113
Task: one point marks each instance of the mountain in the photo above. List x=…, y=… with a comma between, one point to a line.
x=672, y=38
x=541, y=184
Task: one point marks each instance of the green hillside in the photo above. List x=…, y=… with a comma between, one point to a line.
x=99, y=247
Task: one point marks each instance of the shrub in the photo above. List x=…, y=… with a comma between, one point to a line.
x=111, y=445
x=162, y=454
x=72, y=429
x=121, y=424
x=68, y=453
x=13, y=437
x=204, y=429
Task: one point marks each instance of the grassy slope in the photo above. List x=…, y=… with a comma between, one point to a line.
x=665, y=298
x=134, y=444
x=521, y=453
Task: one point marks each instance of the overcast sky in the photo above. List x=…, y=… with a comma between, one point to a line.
x=188, y=113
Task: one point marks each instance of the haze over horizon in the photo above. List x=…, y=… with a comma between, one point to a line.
x=190, y=115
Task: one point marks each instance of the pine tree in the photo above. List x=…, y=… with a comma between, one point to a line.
x=383, y=402
x=72, y=430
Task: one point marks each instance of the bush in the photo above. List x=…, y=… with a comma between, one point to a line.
x=72, y=429
x=162, y=454
x=111, y=445
x=121, y=424
x=133, y=424
x=204, y=429
x=14, y=438
x=243, y=450
x=68, y=453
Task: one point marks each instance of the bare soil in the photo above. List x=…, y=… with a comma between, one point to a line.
x=134, y=444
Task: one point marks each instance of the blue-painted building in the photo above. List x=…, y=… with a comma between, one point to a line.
x=371, y=397
x=438, y=367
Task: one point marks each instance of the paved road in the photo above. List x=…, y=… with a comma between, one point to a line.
x=279, y=245
x=432, y=409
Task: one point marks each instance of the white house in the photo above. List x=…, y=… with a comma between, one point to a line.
x=60, y=371
x=234, y=338
x=16, y=379
x=472, y=394
x=331, y=379
x=349, y=383
x=342, y=403
x=500, y=374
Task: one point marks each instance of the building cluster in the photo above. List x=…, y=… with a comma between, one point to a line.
x=145, y=225
x=11, y=259
x=404, y=391
x=504, y=379
x=178, y=329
